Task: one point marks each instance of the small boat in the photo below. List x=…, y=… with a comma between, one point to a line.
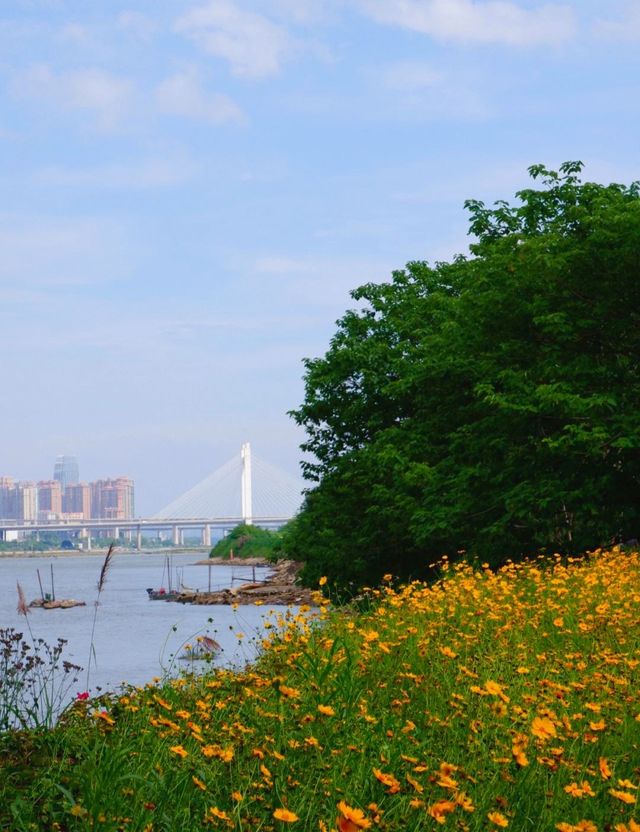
x=162, y=594
x=204, y=648
x=166, y=594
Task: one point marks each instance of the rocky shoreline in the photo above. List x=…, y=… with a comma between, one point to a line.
x=279, y=588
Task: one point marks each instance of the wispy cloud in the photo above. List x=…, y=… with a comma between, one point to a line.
x=107, y=97
x=142, y=175
x=182, y=94
x=39, y=251
x=496, y=21
x=626, y=27
x=253, y=45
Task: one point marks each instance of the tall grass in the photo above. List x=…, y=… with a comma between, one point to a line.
x=35, y=680
x=488, y=700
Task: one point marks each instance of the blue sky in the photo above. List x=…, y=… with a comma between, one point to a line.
x=191, y=189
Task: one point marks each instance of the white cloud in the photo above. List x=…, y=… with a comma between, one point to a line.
x=420, y=92
x=496, y=21
x=253, y=45
x=105, y=96
x=182, y=95
x=626, y=27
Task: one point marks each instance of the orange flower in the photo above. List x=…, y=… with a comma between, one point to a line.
x=322, y=580
x=543, y=728
x=440, y=809
x=605, y=771
x=179, y=750
x=197, y=782
x=625, y=797
x=498, y=819
x=327, y=710
x=292, y=693
x=214, y=812
x=285, y=816
x=632, y=826
x=350, y=819
x=495, y=690
x=388, y=780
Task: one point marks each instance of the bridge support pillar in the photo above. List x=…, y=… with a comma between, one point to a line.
x=206, y=535
x=116, y=533
x=85, y=536
x=175, y=535
x=138, y=538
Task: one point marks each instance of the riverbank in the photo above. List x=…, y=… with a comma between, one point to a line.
x=488, y=701
x=279, y=587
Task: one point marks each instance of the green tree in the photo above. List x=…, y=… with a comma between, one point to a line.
x=246, y=541
x=490, y=404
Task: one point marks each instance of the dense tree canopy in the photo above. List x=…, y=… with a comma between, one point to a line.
x=490, y=404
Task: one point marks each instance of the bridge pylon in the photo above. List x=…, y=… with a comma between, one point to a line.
x=247, y=499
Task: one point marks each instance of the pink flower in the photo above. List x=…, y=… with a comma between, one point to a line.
x=82, y=696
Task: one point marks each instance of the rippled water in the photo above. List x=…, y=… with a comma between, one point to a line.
x=135, y=639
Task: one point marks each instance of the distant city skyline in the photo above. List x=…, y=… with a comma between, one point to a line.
x=196, y=186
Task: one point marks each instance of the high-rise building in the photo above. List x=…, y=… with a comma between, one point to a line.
x=112, y=499
x=50, y=496
x=66, y=471
x=26, y=496
x=7, y=498
x=77, y=500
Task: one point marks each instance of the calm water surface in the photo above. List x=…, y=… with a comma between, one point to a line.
x=135, y=639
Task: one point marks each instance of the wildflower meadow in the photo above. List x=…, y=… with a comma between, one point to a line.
x=487, y=700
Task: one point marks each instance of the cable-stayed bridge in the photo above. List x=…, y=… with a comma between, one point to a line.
x=246, y=489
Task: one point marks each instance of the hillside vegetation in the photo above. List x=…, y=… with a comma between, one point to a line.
x=489, y=700
x=246, y=541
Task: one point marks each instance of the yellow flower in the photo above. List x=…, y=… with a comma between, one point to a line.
x=388, y=780
x=214, y=812
x=498, y=819
x=605, y=771
x=179, y=750
x=199, y=783
x=285, y=816
x=104, y=716
x=327, y=710
x=625, y=797
x=495, y=690
x=237, y=796
x=322, y=580
x=440, y=809
x=543, y=728
x=350, y=819
x=292, y=693
x=632, y=826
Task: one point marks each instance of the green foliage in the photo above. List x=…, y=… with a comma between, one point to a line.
x=247, y=541
x=490, y=404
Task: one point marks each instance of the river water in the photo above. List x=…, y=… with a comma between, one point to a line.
x=135, y=639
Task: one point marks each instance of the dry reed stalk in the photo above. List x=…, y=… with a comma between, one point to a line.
x=23, y=608
x=105, y=568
